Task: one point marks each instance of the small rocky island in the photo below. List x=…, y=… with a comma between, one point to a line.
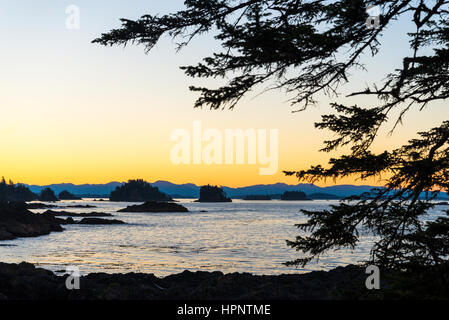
x=213, y=194
x=100, y=221
x=65, y=195
x=155, y=206
x=138, y=191
x=48, y=195
x=294, y=195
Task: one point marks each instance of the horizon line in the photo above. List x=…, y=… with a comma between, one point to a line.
x=221, y=185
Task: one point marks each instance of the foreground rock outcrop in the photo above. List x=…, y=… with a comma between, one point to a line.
x=155, y=206
x=24, y=281
x=17, y=221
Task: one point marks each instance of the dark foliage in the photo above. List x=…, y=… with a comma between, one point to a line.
x=213, y=194
x=138, y=191
x=294, y=195
x=15, y=192
x=309, y=48
x=65, y=195
x=47, y=195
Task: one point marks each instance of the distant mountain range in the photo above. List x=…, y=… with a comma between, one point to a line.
x=79, y=190
x=190, y=190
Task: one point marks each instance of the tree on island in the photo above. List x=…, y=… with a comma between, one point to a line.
x=138, y=191
x=308, y=49
x=294, y=195
x=48, y=195
x=213, y=194
x=15, y=192
x=65, y=195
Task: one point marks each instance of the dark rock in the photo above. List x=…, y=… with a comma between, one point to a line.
x=40, y=205
x=73, y=214
x=212, y=194
x=100, y=221
x=442, y=204
x=86, y=206
x=69, y=220
x=24, y=281
x=65, y=195
x=16, y=221
x=155, y=206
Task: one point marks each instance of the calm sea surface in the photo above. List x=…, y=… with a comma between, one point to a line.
x=243, y=236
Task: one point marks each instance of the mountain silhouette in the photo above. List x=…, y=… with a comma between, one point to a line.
x=190, y=190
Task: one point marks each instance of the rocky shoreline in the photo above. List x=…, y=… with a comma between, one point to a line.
x=24, y=281
x=17, y=221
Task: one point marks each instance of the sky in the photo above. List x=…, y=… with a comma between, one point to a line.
x=73, y=111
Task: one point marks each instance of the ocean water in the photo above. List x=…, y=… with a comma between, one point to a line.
x=242, y=236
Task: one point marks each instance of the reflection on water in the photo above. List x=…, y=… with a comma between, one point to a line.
x=243, y=236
